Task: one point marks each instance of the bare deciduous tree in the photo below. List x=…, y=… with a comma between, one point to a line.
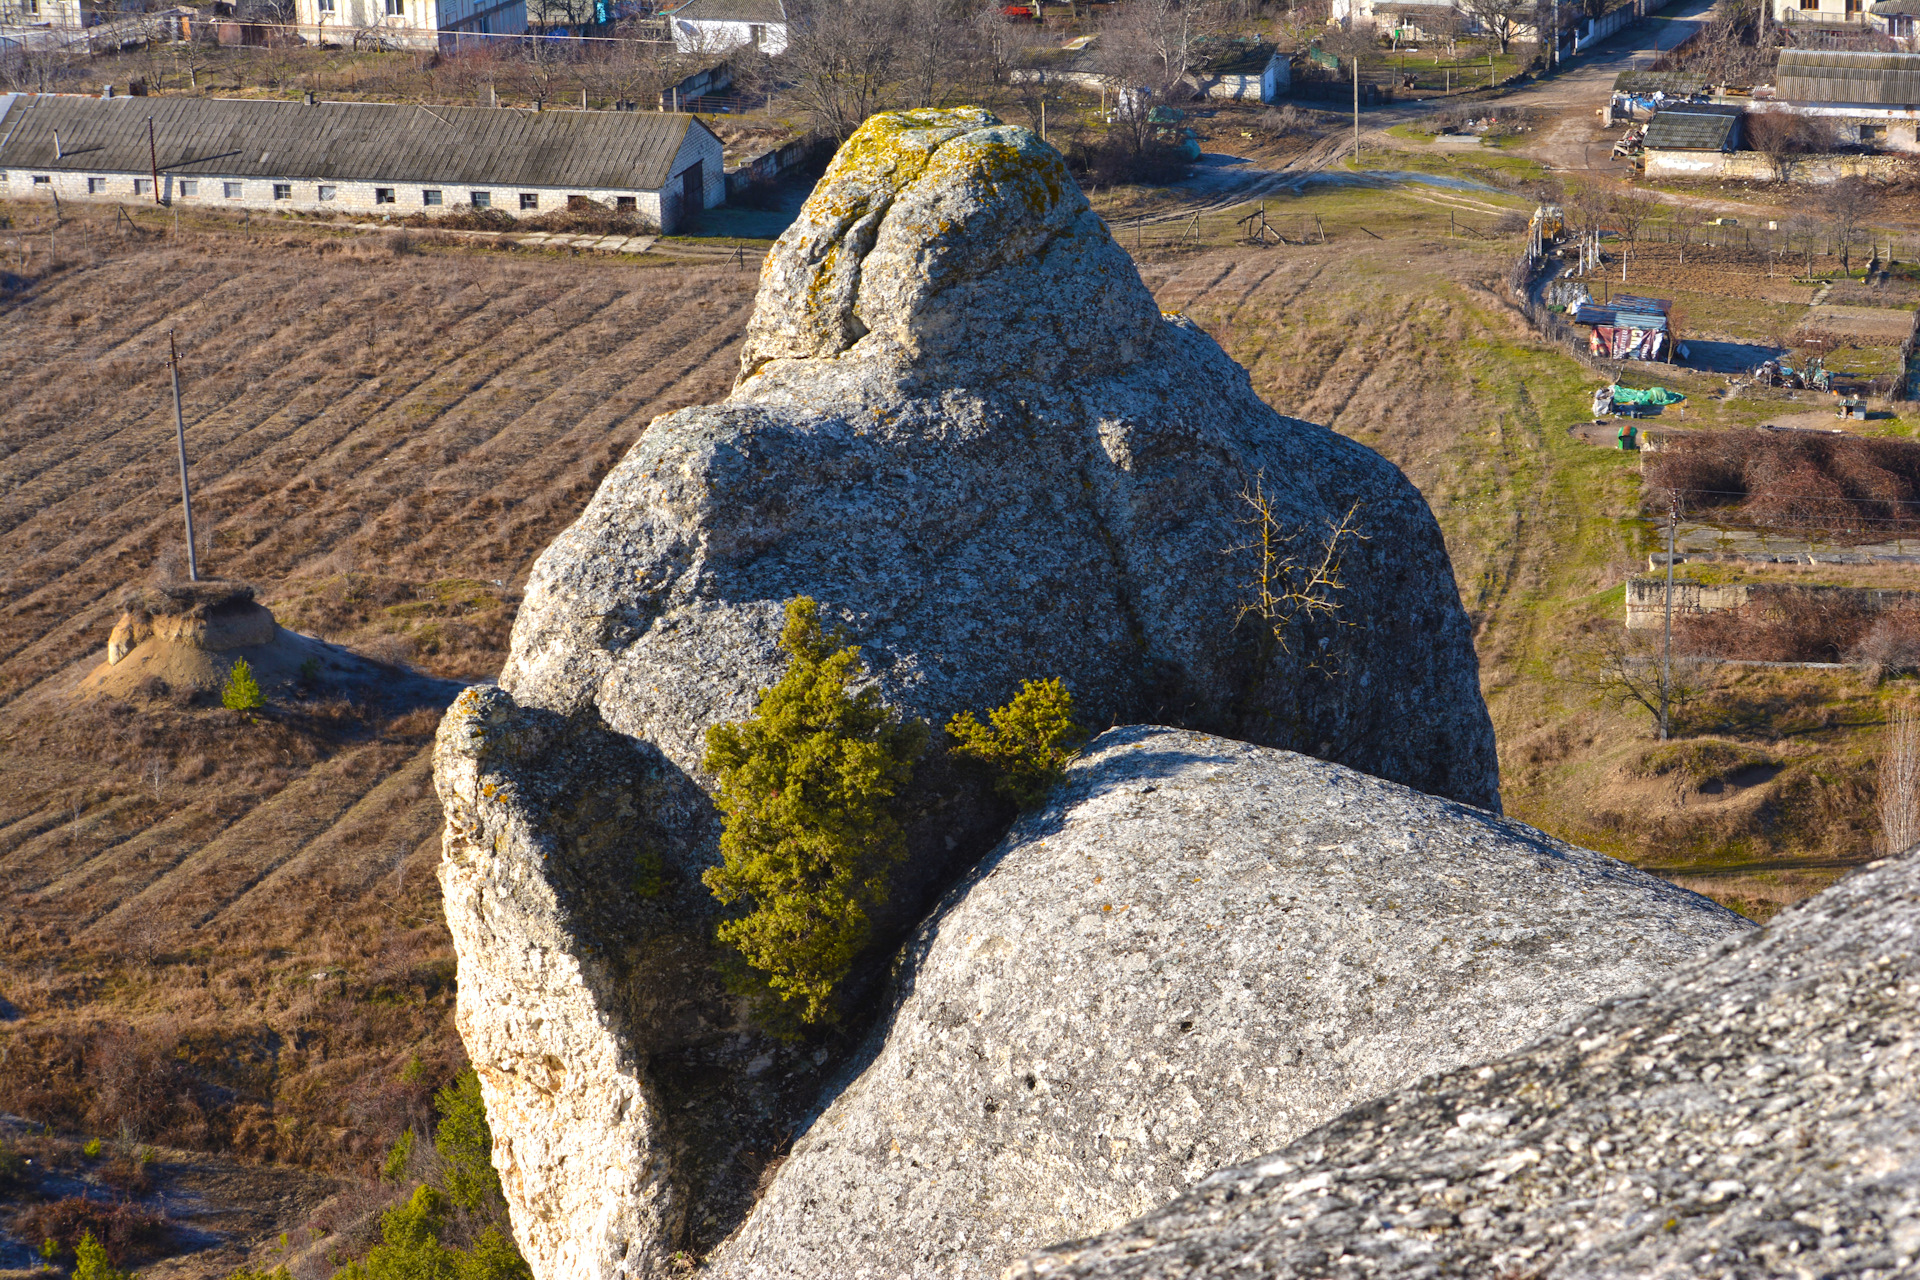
x=1631, y=210
x=1899, y=790
x=1626, y=671
x=1156, y=43
x=1849, y=202
x=842, y=57
x=1500, y=19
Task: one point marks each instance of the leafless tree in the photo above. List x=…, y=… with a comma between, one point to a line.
x=1899, y=790
x=1786, y=139
x=935, y=49
x=1500, y=19
x=1849, y=202
x=1626, y=671
x=842, y=57
x=1631, y=209
x=1686, y=220
x=1156, y=43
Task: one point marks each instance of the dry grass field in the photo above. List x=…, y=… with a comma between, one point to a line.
x=223, y=930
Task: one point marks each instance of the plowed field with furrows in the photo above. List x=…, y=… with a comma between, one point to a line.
x=222, y=929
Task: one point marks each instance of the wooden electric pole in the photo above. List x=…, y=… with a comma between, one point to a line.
x=180, y=439
x=1666, y=654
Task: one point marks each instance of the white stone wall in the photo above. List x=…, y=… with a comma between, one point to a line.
x=349, y=197
x=699, y=36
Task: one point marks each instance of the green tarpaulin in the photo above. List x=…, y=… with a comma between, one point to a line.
x=1652, y=395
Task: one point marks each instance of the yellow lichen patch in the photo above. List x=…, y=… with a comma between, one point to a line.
x=1031, y=174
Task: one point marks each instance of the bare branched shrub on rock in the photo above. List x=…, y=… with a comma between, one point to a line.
x=1899, y=791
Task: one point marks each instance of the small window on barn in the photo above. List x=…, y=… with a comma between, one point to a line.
x=283, y=191
x=757, y=33
x=480, y=199
x=33, y=8
x=96, y=185
x=624, y=202
x=231, y=190
x=326, y=6
x=328, y=192
x=1873, y=133
x=528, y=200
x=431, y=196
x=383, y=195
x=189, y=186
x=396, y=8
x=143, y=186
x=41, y=179
x=1809, y=4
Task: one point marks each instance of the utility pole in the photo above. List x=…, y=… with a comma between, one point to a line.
x=1356, y=109
x=153, y=157
x=180, y=439
x=1666, y=656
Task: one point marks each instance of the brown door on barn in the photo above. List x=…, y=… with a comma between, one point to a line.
x=693, y=187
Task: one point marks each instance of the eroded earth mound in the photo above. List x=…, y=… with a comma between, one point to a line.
x=1757, y=1113
x=1198, y=951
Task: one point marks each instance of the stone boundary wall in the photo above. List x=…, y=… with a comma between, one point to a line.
x=1647, y=598
x=1751, y=166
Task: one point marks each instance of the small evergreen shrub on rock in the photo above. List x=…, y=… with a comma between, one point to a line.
x=806, y=787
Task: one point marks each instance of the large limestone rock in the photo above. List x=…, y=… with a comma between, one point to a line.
x=1198, y=951
x=1755, y=1114
x=963, y=426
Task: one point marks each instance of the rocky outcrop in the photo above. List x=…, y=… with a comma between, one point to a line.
x=963, y=426
x=207, y=615
x=1199, y=950
x=1757, y=1113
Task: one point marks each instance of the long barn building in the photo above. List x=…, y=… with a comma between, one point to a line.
x=356, y=157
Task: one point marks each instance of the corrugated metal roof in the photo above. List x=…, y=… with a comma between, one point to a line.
x=1675, y=82
x=1619, y=317
x=1693, y=128
x=732, y=11
x=1833, y=75
x=1896, y=9
x=354, y=141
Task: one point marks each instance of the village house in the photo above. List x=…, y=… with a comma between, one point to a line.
x=408, y=24
x=31, y=14
x=1869, y=98
x=715, y=26
x=356, y=157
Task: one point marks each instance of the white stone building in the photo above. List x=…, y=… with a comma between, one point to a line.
x=715, y=26
x=355, y=157
x=410, y=24
x=31, y=14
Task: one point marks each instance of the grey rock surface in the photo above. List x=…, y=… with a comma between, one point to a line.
x=964, y=427
x=1757, y=1113
x=1197, y=951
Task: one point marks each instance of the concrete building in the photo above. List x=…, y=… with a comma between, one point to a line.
x=353, y=157
x=1691, y=140
x=715, y=26
x=408, y=24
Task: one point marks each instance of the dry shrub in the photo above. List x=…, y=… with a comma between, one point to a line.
x=589, y=217
x=1800, y=626
x=1289, y=121
x=127, y=1231
x=1891, y=642
x=1847, y=485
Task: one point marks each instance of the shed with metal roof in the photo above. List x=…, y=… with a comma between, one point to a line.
x=337, y=156
x=1694, y=127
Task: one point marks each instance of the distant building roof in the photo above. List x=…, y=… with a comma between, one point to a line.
x=1678, y=83
x=767, y=11
x=1896, y=9
x=1694, y=127
x=1833, y=75
x=362, y=141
